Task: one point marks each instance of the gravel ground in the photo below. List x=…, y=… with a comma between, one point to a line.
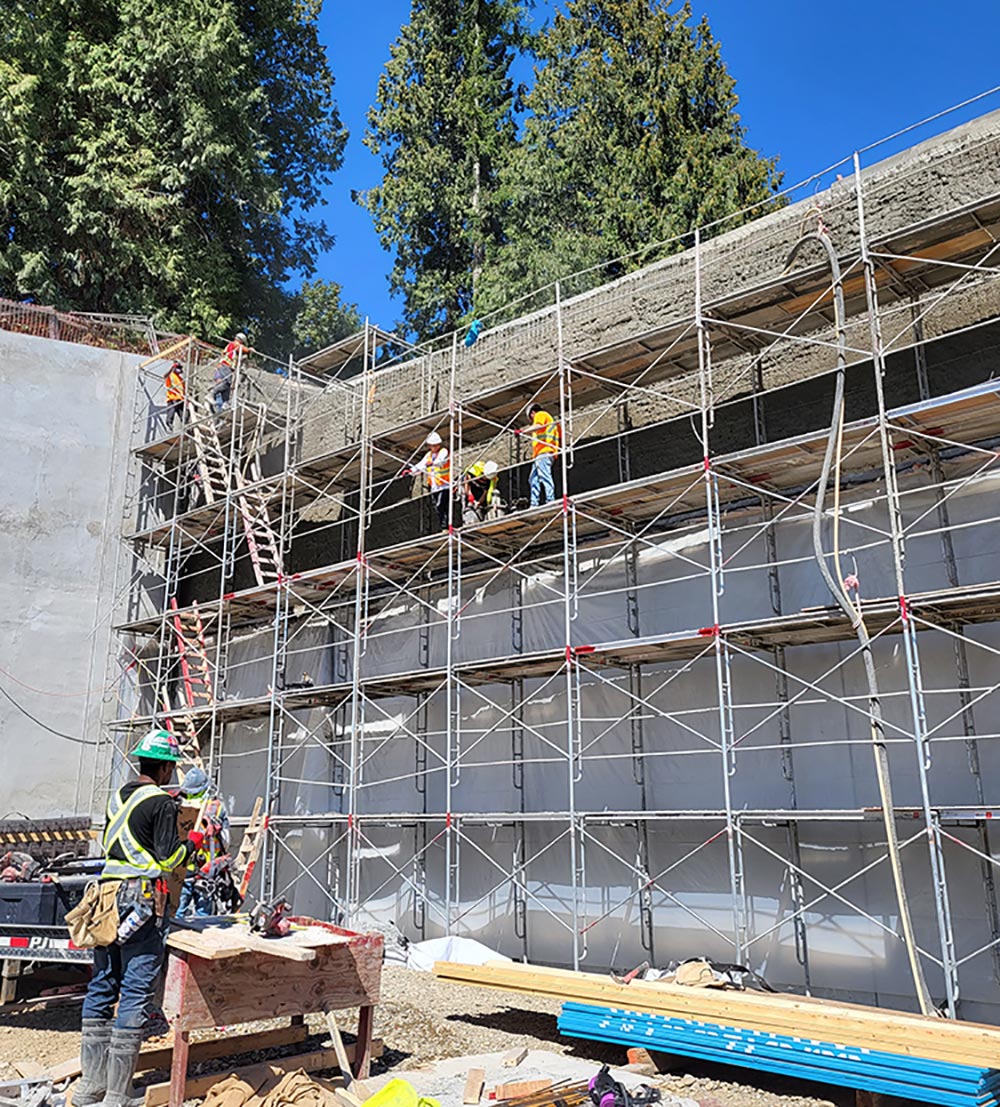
x=422, y=1020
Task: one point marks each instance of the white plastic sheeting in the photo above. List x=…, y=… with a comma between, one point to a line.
x=512, y=883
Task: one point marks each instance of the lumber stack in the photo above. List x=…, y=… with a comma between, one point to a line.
x=914, y=1079
x=895, y=1032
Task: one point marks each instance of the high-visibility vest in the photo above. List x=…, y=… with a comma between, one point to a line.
x=438, y=468
x=138, y=860
x=175, y=387
x=233, y=350
x=477, y=471
x=547, y=438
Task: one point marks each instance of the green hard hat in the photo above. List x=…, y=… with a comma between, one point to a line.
x=158, y=745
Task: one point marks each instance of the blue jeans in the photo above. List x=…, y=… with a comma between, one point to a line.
x=540, y=480
x=126, y=974
x=194, y=899
x=221, y=392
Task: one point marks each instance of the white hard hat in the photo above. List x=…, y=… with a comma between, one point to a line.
x=491, y=468
x=434, y=439
x=241, y=338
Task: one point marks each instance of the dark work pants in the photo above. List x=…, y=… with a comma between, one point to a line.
x=126, y=974
x=440, y=498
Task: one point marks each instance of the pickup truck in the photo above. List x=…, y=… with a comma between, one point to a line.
x=43, y=873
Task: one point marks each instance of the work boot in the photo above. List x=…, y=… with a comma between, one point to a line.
x=94, y=1040
x=122, y=1059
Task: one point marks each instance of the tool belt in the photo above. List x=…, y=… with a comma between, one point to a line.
x=94, y=920
x=142, y=889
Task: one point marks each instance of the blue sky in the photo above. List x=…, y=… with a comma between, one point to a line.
x=815, y=81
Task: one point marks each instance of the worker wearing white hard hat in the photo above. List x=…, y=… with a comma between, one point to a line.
x=229, y=363
x=436, y=467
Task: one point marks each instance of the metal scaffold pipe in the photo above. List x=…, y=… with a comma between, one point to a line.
x=838, y=589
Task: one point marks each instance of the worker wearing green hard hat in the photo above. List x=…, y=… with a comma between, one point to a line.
x=141, y=846
x=158, y=745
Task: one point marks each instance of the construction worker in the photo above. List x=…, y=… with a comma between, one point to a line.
x=192, y=492
x=175, y=394
x=545, y=442
x=141, y=845
x=481, y=489
x=436, y=465
x=222, y=379
x=196, y=895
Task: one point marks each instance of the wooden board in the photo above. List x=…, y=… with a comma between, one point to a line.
x=255, y=985
x=27, y=1069
x=198, y=1086
x=842, y=1023
x=516, y=1088
x=159, y=1057
x=512, y=1058
x=475, y=1081
x=216, y=943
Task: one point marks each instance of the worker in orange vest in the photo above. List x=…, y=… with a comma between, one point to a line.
x=546, y=439
x=436, y=466
x=175, y=394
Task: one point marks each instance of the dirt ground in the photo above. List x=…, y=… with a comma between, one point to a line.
x=422, y=1019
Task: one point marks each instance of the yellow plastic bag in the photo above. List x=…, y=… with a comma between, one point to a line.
x=399, y=1093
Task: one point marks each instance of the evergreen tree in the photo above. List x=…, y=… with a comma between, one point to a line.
x=323, y=318
x=632, y=138
x=164, y=157
x=443, y=126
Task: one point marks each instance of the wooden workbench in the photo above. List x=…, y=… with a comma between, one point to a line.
x=221, y=975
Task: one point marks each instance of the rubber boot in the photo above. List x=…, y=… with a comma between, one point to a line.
x=95, y=1038
x=123, y=1056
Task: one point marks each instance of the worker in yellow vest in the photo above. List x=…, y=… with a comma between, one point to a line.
x=436, y=467
x=174, y=381
x=141, y=846
x=546, y=439
x=480, y=489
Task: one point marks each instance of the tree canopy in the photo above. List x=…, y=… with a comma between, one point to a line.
x=322, y=317
x=630, y=136
x=164, y=158
x=444, y=127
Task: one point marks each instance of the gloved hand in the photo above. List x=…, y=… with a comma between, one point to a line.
x=196, y=838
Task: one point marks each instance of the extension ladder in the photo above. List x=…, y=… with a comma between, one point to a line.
x=211, y=459
x=246, y=857
x=262, y=542
x=190, y=746
x=196, y=675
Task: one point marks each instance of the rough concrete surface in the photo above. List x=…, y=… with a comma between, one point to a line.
x=63, y=441
x=941, y=175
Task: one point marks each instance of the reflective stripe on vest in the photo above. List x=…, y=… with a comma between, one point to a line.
x=138, y=861
x=546, y=436
x=175, y=387
x=439, y=469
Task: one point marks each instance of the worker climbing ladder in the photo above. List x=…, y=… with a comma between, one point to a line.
x=196, y=676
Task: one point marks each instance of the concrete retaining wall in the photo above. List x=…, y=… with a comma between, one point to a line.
x=63, y=451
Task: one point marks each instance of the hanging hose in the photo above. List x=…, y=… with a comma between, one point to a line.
x=834, y=449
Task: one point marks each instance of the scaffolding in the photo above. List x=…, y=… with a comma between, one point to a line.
x=631, y=722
